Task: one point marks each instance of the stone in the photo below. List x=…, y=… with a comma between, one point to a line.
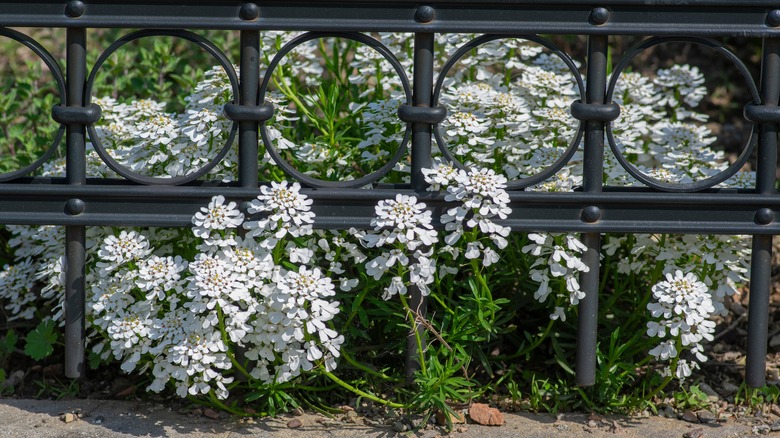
x=13, y=380
x=761, y=429
x=690, y=417
x=695, y=433
x=100, y=419
x=68, y=418
x=706, y=416
x=126, y=392
x=294, y=423
x=707, y=389
x=352, y=417
x=483, y=414
x=211, y=413
x=399, y=426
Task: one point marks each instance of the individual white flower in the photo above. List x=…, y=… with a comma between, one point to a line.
x=216, y=216
x=404, y=220
x=129, y=245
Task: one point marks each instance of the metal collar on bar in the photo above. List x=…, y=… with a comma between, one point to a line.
x=249, y=113
x=596, y=112
x=419, y=114
x=85, y=115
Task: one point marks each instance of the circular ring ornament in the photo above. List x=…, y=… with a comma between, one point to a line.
x=568, y=153
x=54, y=68
x=201, y=42
x=316, y=182
x=707, y=182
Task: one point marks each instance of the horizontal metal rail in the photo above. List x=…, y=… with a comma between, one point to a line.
x=702, y=18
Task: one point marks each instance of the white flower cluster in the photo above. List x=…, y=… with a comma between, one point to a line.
x=557, y=256
x=142, y=136
x=185, y=319
x=482, y=196
x=684, y=307
x=404, y=225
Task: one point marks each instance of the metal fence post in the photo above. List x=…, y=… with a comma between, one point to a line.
x=421, y=159
x=761, y=259
x=75, y=236
x=247, y=130
x=593, y=169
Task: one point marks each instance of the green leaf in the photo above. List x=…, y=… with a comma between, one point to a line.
x=9, y=343
x=40, y=342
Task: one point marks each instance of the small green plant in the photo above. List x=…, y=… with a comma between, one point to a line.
x=692, y=398
x=40, y=342
x=57, y=389
x=756, y=398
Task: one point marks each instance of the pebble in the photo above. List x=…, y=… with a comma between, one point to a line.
x=99, y=419
x=690, y=417
x=13, y=380
x=669, y=412
x=352, y=416
x=695, y=433
x=761, y=429
x=294, y=423
x=775, y=427
x=483, y=414
x=399, y=426
x=706, y=416
x=211, y=413
x=297, y=412
x=68, y=418
x=707, y=389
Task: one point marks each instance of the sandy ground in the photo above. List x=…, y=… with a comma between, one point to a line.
x=107, y=418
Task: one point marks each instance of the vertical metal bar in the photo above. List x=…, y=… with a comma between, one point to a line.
x=422, y=95
x=761, y=259
x=247, y=131
x=75, y=236
x=593, y=170
x=421, y=159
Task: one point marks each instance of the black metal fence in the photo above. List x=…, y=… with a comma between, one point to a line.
x=77, y=201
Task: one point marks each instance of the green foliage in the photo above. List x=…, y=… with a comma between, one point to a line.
x=692, y=398
x=8, y=344
x=40, y=342
x=756, y=398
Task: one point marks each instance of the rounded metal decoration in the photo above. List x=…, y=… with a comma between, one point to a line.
x=707, y=182
x=54, y=68
x=570, y=150
x=201, y=42
x=316, y=182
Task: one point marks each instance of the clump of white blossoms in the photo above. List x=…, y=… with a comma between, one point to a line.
x=683, y=308
x=482, y=196
x=404, y=225
x=557, y=256
x=186, y=319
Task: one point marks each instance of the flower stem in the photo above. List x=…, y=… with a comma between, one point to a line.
x=371, y=397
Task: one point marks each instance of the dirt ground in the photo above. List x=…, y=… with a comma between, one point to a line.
x=107, y=418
